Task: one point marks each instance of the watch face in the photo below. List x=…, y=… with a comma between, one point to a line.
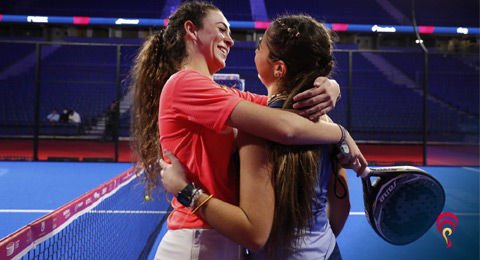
x=344, y=149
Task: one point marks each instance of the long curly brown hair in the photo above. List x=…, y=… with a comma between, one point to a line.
x=160, y=56
x=305, y=46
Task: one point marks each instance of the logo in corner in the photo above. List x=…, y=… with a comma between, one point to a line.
x=446, y=224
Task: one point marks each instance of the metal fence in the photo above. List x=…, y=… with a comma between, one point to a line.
x=387, y=95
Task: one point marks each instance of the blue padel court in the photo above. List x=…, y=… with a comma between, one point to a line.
x=31, y=190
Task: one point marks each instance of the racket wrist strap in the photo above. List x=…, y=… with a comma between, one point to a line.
x=344, y=134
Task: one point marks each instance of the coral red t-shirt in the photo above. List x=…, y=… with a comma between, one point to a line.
x=192, y=115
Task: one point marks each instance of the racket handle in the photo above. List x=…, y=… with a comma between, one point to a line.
x=364, y=174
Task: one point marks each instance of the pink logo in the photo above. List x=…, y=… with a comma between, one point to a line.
x=446, y=226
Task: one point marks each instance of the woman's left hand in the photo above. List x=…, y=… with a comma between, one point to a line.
x=318, y=100
x=173, y=175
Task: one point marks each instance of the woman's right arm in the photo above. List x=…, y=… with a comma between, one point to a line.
x=314, y=102
x=289, y=128
x=338, y=209
x=250, y=223
x=281, y=126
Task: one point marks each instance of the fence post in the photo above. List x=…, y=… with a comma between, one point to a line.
x=117, y=107
x=349, y=96
x=425, y=109
x=37, y=102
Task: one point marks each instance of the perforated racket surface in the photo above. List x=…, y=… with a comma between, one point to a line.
x=402, y=203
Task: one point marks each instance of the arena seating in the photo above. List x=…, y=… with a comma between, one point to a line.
x=362, y=12
x=83, y=77
x=452, y=79
x=88, y=89
x=442, y=12
x=439, y=13
x=93, y=8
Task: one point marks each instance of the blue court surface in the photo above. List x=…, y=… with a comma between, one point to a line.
x=29, y=190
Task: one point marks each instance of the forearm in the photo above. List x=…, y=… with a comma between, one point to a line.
x=232, y=222
x=250, y=223
x=246, y=226
x=338, y=209
x=282, y=126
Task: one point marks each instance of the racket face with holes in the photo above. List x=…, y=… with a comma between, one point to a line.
x=402, y=203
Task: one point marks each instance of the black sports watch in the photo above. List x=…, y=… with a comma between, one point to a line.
x=185, y=196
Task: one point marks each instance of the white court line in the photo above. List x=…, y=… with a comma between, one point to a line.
x=467, y=214
x=129, y=211
x=92, y=211
x=357, y=213
x=353, y=213
x=25, y=210
x=471, y=169
x=109, y=211
x=458, y=214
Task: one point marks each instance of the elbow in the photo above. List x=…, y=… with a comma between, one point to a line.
x=254, y=249
x=288, y=134
x=256, y=242
x=257, y=245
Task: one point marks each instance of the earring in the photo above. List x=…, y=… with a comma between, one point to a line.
x=277, y=74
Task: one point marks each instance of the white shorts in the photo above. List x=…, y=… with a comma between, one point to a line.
x=197, y=244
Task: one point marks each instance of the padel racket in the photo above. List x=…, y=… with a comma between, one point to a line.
x=402, y=203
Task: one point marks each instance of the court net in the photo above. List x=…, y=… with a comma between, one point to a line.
x=111, y=221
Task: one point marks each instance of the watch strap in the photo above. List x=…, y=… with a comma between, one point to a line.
x=342, y=144
x=185, y=196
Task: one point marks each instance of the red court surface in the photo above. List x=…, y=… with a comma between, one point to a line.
x=376, y=154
